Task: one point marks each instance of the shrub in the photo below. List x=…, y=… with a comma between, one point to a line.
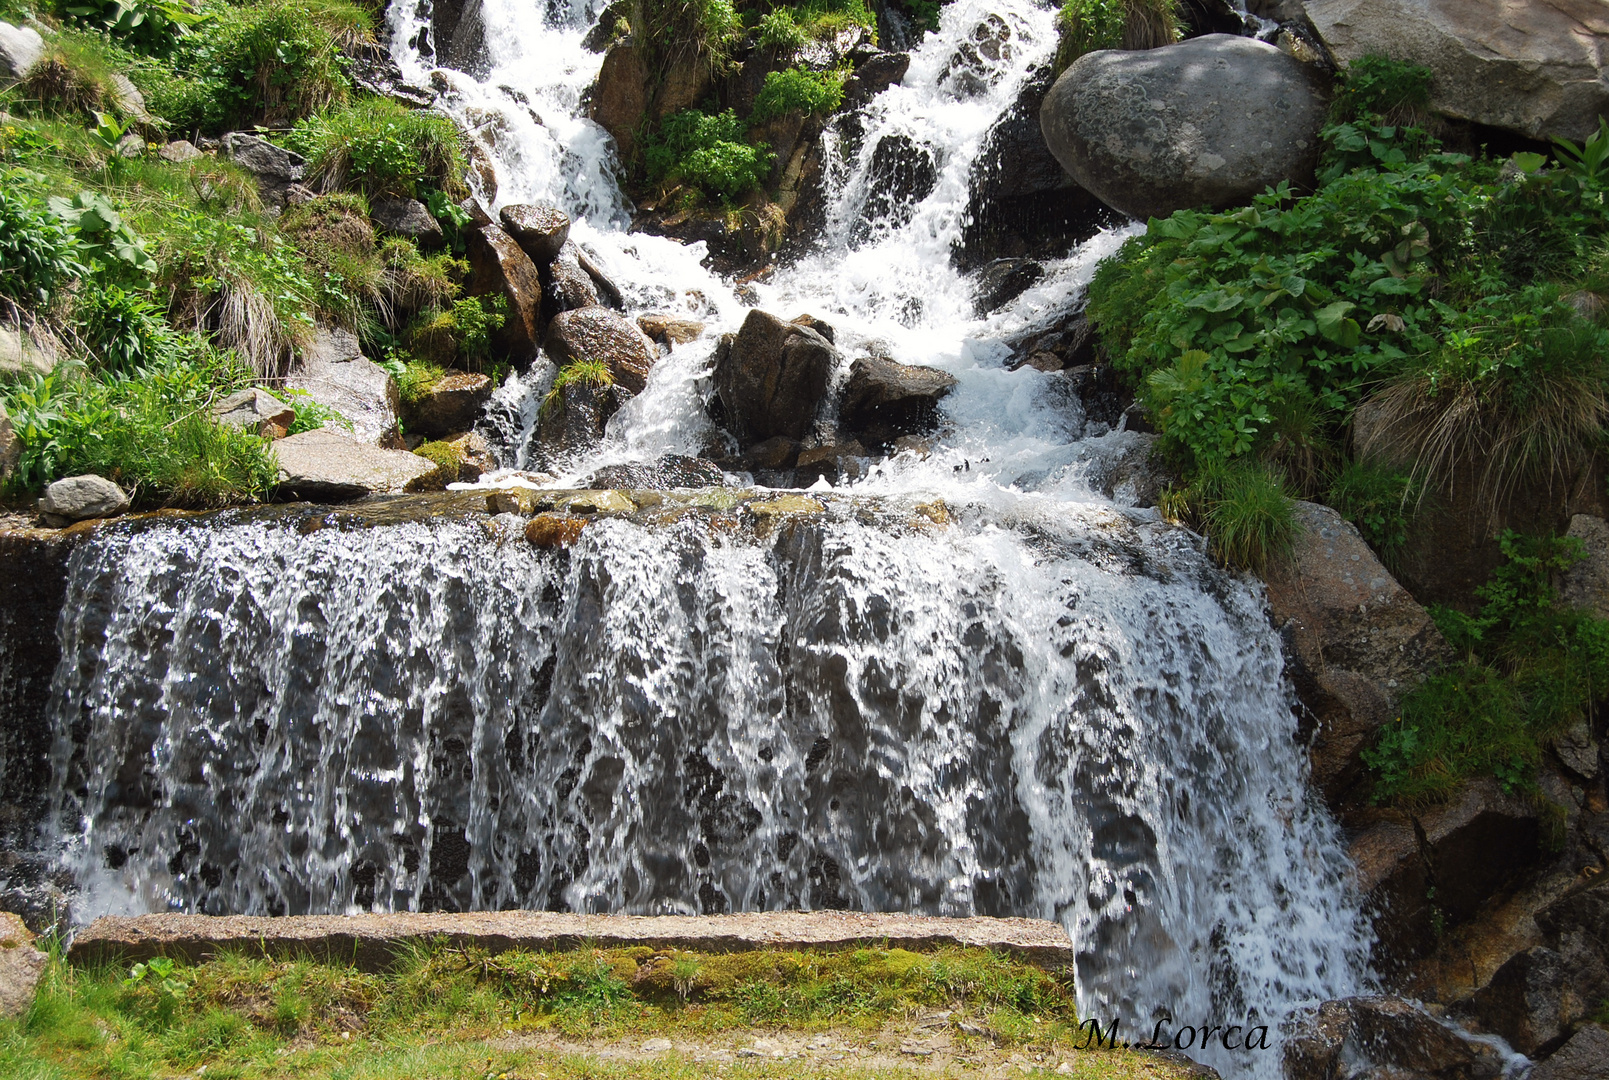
x=154, y=435
x=152, y=27
x=39, y=254
x=1380, y=502
x=798, y=90
x=1088, y=25
x=462, y=332
x=1532, y=669
x=707, y=153
x=380, y=148
x=778, y=30
x=676, y=32
x=112, y=250
x=124, y=331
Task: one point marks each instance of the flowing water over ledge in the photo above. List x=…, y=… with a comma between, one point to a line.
x=1052, y=705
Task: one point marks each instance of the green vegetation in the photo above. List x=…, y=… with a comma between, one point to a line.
x=151, y=27
x=1242, y=507
x=381, y=149
x=1380, y=502
x=707, y=154
x=1532, y=668
x=1089, y=25
x=1444, y=290
x=798, y=90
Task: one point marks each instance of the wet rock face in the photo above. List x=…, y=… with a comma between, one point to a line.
x=1536, y=69
x=573, y=419
x=539, y=229
x=1002, y=281
x=875, y=74
x=771, y=376
x=600, y=335
x=885, y=399
x=1207, y=122
x=409, y=218
x=1381, y=1038
x=903, y=172
x=1020, y=201
x=453, y=404
x=669, y=471
x=500, y=267
x=566, y=285
x=1356, y=641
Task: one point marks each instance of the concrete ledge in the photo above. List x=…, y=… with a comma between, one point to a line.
x=370, y=941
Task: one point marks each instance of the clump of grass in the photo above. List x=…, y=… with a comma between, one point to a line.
x=1242, y=508
x=798, y=90
x=380, y=148
x=75, y=76
x=1531, y=669
x=593, y=374
x=447, y=458
x=1089, y=25
x=416, y=379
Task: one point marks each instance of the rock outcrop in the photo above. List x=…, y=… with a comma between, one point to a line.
x=79, y=498
x=500, y=267
x=603, y=336
x=453, y=404
x=409, y=218
x=1355, y=640
x=1539, y=69
x=258, y=411
x=885, y=399
x=278, y=171
x=540, y=230
x=573, y=417
x=333, y=371
x=770, y=377
x=1207, y=122
x=323, y=464
x=1364, y=1038
x=1584, y=1057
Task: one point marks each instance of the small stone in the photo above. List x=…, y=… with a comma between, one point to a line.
x=656, y=1046
x=253, y=408
x=179, y=151
x=598, y=502
x=79, y=498
x=131, y=146
x=554, y=530
x=669, y=330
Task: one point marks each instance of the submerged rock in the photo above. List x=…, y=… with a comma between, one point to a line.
x=322, y=464
x=1377, y=1038
x=1356, y=641
x=599, y=335
x=566, y=285
x=1002, y=281
x=669, y=330
x=770, y=377
x=885, y=399
x=79, y=498
x=670, y=471
x=1538, y=69
x=1207, y=122
x=333, y=371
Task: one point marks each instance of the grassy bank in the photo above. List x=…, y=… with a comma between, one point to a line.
x=449, y=1012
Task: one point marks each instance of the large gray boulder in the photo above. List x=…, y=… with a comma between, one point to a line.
x=1540, y=69
x=409, y=218
x=278, y=171
x=324, y=464
x=334, y=372
x=20, y=50
x=1207, y=122
x=1356, y=641
x=770, y=377
x=79, y=498
x=598, y=334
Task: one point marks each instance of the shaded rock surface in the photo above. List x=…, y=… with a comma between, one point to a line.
x=1382, y=1038
x=20, y=49
x=79, y=498
x=21, y=966
x=770, y=377
x=884, y=399
x=574, y=417
x=1584, y=1057
x=410, y=218
x=500, y=267
x=334, y=372
x=453, y=404
x=1355, y=640
x=669, y=471
x=1539, y=69
x=323, y=464
x=1002, y=281
x=1586, y=584
x=1206, y=122
x=10, y=445
x=27, y=352
x=600, y=335
x=371, y=940
x=873, y=75
x=566, y=285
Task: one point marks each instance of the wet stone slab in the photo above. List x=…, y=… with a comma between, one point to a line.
x=370, y=941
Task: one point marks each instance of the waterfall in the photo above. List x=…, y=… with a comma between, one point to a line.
x=972, y=685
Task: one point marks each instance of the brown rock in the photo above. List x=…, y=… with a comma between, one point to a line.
x=1528, y=1001
x=778, y=452
x=540, y=230
x=21, y=966
x=477, y=455
x=598, y=334
x=500, y=267
x=334, y=372
x=322, y=464
x=1476, y=843
x=1356, y=641
x=885, y=399
x=669, y=330
x=554, y=530
x=567, y=286
x=371, y=941
x=771, y=377
x=451, y=405
x=1584, y=1057
x=620, y=96
x=1379, y=1038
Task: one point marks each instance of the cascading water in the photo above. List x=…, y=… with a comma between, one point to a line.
x=1053, y=705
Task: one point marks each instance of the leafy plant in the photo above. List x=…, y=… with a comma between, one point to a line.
x=1380, y=502
x=147, y=26
x=707, y=153
x=1589, y=161
x=798, y=90
x=310, y=414
x=123, y=330
x=39, y=253
x=1089, y=25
